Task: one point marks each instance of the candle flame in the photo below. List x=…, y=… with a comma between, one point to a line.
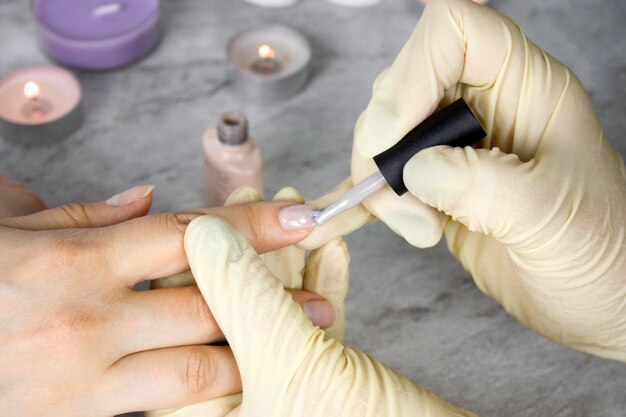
x=266, y=52
x=31, y=90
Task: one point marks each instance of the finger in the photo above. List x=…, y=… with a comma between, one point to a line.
x=171, y=317
x=342, y=225
x=243, y=195
x=486, y=190
x=261, y=321
x=327, y=272
x=17, y=200
x=419, y=224
x=258, y=222
x=283, y=265
x=315, y=307
x=289, y=194
x=132, y=203
x=170, y=378
x=287, y=263
x=165, y=317
x=152, y=247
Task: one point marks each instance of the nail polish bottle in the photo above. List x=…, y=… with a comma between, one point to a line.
x=231, y=158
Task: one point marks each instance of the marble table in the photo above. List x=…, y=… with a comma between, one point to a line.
x=416, y=310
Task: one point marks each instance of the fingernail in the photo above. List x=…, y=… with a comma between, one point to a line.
x=320, y=312
x=130, y=195
x=297, y=217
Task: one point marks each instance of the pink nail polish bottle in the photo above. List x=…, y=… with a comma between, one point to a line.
x=232, y=159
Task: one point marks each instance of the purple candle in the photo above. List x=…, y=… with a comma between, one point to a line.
x=97, y=34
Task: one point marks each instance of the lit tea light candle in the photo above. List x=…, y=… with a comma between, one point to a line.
x=35, y=108
x=39, y=105
x=266, y=64
x=269, y=63
x=97, y=34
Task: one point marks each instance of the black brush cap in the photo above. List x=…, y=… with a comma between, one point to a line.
x=454, y=125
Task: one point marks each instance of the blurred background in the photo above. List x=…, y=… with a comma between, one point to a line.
x=415, y=310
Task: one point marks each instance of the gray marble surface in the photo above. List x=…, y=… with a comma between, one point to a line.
x=416, y=310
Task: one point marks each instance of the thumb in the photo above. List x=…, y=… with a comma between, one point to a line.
x=327, y=274
x=266, y=329
x=486, y=190
x=129, y=204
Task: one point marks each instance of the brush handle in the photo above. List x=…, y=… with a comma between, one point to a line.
x=454, y=125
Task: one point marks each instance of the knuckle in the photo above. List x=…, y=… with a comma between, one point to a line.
x=200, y=311
x=67, y=254
x=67, y=332
x=77, y=214
x=255, y=229
x=198, y=372
x=174, y=225
x=59, y=251
x=175, y=221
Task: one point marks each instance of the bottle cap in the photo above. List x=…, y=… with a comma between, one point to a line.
x=454, y=125
x=232, y=129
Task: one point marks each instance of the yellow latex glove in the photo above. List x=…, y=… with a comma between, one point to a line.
x=288, y=366
x=538, y=217
x=325, y=273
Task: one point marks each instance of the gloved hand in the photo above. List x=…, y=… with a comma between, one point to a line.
x=538, y=216
x=325, y=273
x=288, y=366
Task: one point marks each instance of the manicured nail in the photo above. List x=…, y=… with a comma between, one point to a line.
x=130, y=195
x=320, y=312
x=297, y=217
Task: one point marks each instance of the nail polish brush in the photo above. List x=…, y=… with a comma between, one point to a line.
x=454, y=125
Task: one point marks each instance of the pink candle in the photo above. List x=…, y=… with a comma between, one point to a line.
x=39, y=105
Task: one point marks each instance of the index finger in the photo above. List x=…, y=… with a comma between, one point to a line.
x=153, y=246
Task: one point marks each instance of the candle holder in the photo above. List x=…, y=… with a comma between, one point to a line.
x=269, y=63
x=97, y=34
x=39, y=106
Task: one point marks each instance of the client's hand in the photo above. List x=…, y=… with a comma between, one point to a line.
x=325, y=272
x=78, y=340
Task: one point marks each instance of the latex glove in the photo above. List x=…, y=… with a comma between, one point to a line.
x=325, y=273
x=540, y=219
x=288, y=366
